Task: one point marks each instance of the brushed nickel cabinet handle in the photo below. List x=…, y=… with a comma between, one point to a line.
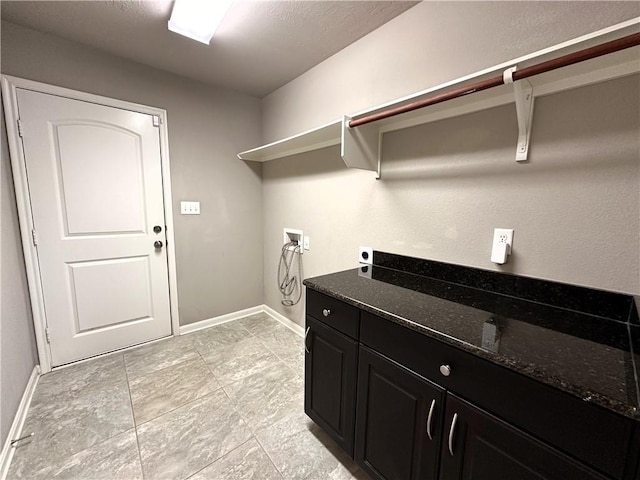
x=306, y=334
x=326, y=312
x=451, y=432
x=430, y=418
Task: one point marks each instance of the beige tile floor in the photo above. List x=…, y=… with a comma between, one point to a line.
x=221, y=403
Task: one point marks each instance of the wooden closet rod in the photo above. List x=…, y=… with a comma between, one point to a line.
x=564, y=61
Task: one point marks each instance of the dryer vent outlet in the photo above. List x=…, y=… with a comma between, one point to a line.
x=366, y=255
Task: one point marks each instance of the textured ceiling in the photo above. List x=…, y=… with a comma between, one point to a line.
x=260, y=46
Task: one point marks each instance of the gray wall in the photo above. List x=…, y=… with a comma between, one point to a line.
x=431, y=43
x=445, y=186
x=17, y=342
x=218, y=270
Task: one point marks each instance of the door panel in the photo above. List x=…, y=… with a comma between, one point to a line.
x=89, y=202
x=95, y=183
x=107, y=292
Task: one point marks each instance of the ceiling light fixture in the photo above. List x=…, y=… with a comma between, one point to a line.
x=198, y=19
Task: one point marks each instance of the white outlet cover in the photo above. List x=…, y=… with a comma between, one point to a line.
x=366, y=255
x=503, y=233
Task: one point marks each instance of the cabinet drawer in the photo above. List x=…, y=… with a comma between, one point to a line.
x=339, y=315
x=592, y=434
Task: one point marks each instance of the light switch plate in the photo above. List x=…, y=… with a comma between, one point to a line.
x=190, y=208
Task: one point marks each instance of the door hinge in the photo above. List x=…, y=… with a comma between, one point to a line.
x=47, y=334
x=34, y=236
x=20, y=130
x=157, y=121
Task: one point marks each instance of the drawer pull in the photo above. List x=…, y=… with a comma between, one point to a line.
x=326, y=312
x=451, y=432
x=306, y=334
x=430, y=418
x=445, y=370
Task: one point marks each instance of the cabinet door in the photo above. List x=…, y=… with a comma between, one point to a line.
x=330, y=381
x=399, y=421
x=479, y=446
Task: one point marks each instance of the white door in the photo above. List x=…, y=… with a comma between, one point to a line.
x=95, y=183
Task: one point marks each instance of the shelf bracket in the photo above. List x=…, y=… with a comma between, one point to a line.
x=523, y=94
x=361, y=146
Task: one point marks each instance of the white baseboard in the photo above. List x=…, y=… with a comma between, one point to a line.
x=229, y=317
x=291, y=325
x=210, y=322
x=18, y=422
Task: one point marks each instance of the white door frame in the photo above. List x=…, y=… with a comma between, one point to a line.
x=10, y=99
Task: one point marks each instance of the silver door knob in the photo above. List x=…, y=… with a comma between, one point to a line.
x=445, y=370
x=326, y=312
x=157, y=244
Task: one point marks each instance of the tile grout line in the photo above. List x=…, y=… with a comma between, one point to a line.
x=286, y=364
x=135, y=423
x=219, y=458
x=221, y=387
x=104, y=440
x=161, y=369
x=278, y=356
x=181, y=405
x=207, y=365
x=268, y=456
x=199, y=356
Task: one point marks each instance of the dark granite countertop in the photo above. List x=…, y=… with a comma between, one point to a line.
x=588, y=352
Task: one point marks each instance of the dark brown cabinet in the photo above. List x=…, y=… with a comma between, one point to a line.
x=399, y=420
x=407, y=406
x=330, y=381
x=479, y=446
x=590, y=434
x=400, y=434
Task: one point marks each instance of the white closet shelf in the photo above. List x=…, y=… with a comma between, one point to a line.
x=361, y=146
x=314, y=139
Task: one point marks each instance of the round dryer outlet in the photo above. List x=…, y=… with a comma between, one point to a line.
x=366, y=255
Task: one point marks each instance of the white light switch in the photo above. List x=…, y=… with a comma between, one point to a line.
x=190, y=208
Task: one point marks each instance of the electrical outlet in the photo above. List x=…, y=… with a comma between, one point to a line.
x=503, y=235
x=366, y=255
x=501, y=247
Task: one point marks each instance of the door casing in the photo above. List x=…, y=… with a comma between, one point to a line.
x=9, y=95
